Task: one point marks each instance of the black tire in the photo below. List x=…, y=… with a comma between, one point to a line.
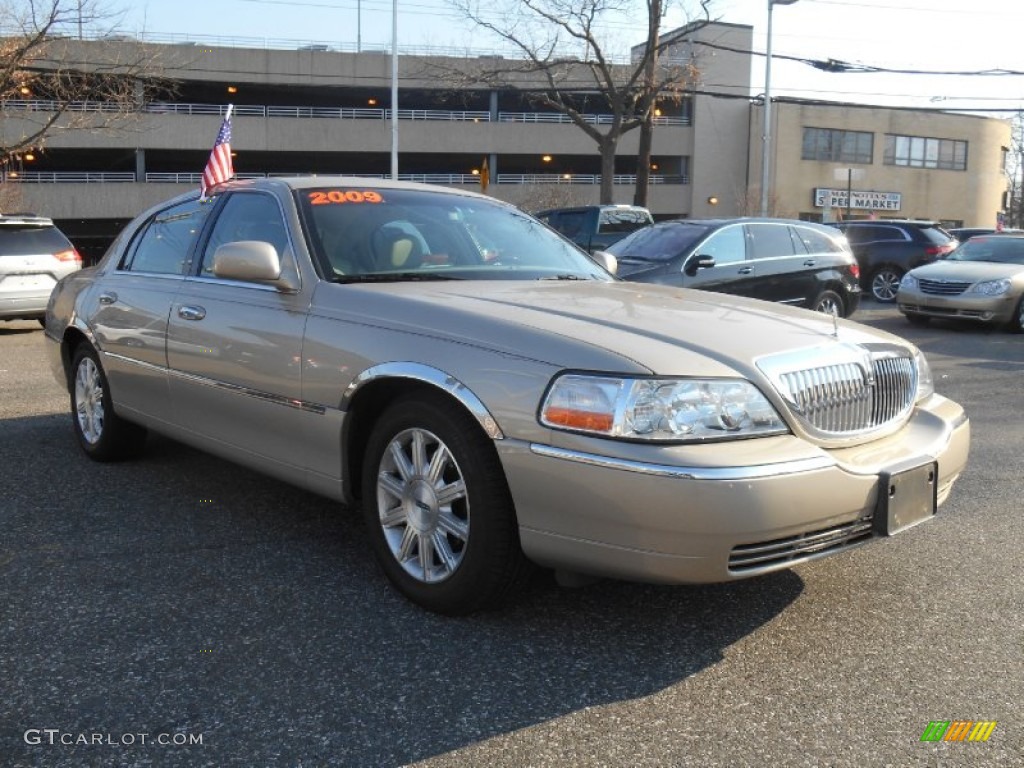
x=1016, y=324
x=919, y=320
x=409, y=522
x=830, y=303
x=885, y=282
x=103, y=435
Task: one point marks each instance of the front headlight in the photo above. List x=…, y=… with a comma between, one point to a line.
x=925, y=382
x=990, y=287
x=908, y=283
x=677, y=410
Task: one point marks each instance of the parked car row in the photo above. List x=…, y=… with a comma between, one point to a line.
x=491, y=398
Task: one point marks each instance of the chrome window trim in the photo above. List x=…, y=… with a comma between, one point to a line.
x=426, y=374
x=731, y=474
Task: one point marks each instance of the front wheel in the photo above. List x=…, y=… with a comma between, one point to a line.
x=103, y=435
x=1017, y=321
x=885, y=282
x=438, y=509
x=830, y=303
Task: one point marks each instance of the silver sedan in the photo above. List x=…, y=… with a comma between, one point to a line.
x=981, y=281
x=492, y=397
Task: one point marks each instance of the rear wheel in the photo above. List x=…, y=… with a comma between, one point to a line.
x=885, y=282
x=830, y=303
x=103, y=435
x=438, y=509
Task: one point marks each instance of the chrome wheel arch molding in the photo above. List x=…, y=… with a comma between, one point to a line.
x=428, y=375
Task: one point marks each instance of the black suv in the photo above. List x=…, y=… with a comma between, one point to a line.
x=888, y=249
x=793, y=262
x=595, y=227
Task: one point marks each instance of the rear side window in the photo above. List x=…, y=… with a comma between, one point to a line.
x=770, y=240
x=165, y=243
x=569, y=223
x=622, y=221
x=871, y=233
x=31, y=241
x=815, y=241
x=936, y=235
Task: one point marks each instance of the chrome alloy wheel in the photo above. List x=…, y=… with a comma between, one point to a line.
x=885, y=284
x=423, y=505
x=89, y=400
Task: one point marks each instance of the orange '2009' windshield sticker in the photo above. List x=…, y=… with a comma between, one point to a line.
x=338, y=196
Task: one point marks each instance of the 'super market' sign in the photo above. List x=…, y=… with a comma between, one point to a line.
x=872, y=201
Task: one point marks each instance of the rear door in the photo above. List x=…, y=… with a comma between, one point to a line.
x=128, y=307
x=784, y=269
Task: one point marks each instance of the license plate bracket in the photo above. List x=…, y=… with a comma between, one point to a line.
x=906, y=497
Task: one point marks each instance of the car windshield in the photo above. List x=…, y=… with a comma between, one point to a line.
x=1000, y=249
x=660, y=242
x=372, y=235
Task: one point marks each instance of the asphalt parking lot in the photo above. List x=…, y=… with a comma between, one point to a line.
x=179, y=611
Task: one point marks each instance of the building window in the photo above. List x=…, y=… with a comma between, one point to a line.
x=838, y=146
x=920, y=152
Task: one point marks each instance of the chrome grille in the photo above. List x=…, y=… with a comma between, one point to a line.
x=942, y=287
x=845, y=391
x=787, y=551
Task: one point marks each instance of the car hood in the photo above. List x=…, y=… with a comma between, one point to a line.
x=972, y=271
x=621, y=326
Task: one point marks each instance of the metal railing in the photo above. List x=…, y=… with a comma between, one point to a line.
x=343, y=113
x=160, y=177
x=595, y=119
x=68, y=177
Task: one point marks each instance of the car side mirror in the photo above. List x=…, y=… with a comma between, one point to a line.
x=697, y=262
x=252, y=261
x=606, y=261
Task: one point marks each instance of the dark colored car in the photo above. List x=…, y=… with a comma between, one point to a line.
x=966, y=233
x=887, y=250
x=794, y=262
x=595, y=227
x=34, y=255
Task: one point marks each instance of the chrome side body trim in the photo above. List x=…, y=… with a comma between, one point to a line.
x=267, y=397
x=428, y=375
x=686, y=473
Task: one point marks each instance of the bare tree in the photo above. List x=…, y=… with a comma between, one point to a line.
x=565, y=67
x=49, y=85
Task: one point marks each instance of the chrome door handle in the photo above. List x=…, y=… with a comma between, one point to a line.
x=810, y=263
x=107, y=298
x=191, y=313
x=746, y=271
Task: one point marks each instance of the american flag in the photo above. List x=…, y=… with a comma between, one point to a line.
x=219, y=167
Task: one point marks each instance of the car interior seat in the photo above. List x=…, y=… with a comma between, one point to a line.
x=394, y=249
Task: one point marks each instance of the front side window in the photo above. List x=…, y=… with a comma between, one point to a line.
x=838, y=146
x=246, y=216
x=727, y=246
x=164, y=245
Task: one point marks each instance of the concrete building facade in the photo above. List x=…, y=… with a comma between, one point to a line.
x=316, y=110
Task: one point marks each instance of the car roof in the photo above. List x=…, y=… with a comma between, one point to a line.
x=24, y=220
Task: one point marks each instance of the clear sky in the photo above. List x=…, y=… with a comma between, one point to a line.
x=923, y=35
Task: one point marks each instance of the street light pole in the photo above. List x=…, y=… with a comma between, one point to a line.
x=766, y=132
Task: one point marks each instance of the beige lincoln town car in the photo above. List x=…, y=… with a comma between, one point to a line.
x=491, y=396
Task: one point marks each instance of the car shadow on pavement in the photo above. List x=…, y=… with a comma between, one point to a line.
x=179, y=594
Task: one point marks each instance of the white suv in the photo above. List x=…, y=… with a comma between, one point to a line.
x=34, y=255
